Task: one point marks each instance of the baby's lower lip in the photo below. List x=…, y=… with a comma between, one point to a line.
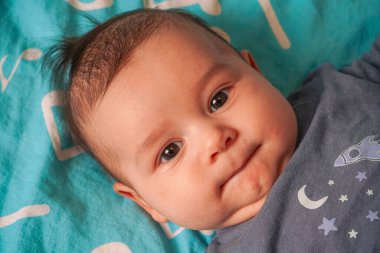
x=243, y=166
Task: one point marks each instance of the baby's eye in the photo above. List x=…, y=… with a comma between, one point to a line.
x=219, y=99
x=170, y=151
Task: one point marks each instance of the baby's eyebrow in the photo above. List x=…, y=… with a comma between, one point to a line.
x=211, y=72
x=151, y=138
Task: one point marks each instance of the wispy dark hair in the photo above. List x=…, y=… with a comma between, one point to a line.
x=89, y=63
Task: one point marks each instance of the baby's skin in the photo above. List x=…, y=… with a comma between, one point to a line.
x=198, y=132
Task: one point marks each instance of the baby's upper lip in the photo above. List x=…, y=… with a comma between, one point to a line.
x=243, y=163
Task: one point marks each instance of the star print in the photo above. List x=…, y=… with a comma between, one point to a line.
x=372, y=216
x=328, y=225
x=343, y=198
x=331, y=182
x=353, y=233
x=361, y=176
x=369, y=192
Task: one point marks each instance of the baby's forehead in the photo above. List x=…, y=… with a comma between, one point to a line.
x=175, y=57
x=186, y=35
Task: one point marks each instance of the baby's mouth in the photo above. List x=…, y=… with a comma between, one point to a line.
x=243, y=166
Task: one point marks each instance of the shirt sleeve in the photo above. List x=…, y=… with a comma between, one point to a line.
x=368, y=67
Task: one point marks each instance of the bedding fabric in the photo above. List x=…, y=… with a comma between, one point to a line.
x=56, y=198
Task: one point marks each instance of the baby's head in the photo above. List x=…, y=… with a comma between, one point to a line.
x=188, y=126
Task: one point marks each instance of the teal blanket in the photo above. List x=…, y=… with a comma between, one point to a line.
x=54, y=197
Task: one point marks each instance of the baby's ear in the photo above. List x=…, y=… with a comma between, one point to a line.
x=248, y=58
x=129, y=192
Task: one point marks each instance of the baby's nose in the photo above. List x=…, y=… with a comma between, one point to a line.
x=227, y=143
x=219, y=141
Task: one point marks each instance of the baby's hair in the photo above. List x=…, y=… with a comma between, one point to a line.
x=89, y=63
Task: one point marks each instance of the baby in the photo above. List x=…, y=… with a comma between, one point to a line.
x=193, y=133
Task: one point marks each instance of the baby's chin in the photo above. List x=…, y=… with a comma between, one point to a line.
x=232, y=218
x=259, y=191
x=244, y=213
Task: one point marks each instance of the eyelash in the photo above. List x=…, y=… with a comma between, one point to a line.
x=160, y=158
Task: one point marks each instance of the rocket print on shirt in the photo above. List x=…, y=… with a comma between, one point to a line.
x=367, y=149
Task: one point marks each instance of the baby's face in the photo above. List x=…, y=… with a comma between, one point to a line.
x=201, y=135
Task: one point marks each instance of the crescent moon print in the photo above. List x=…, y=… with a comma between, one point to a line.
x=308, y=203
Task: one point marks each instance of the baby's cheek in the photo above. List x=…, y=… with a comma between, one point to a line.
x=188, y=213
x=193, y=199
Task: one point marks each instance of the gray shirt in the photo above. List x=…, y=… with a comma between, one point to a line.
x=328, y=197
